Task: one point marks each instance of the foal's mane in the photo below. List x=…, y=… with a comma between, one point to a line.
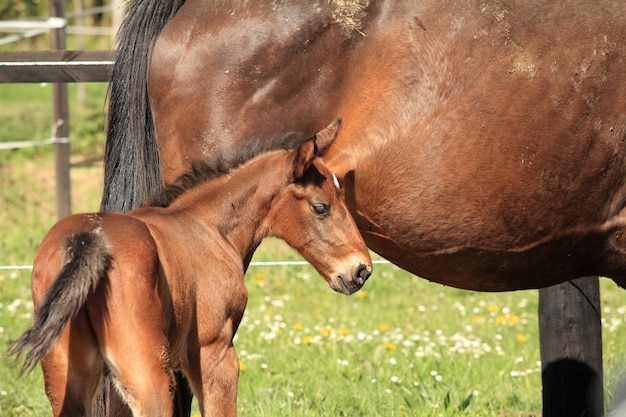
x=204, y=170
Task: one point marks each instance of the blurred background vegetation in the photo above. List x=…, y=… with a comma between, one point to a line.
x=19, y=9
x=27, y=108
x=13, y=9
x=91, y=24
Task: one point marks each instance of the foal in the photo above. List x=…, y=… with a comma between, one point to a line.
x=160, y=289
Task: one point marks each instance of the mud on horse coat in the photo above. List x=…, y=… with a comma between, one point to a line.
x=482, y=145
x=160, y=289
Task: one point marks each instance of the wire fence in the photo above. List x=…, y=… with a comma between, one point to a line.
x=37, y=26
x=4, y=146
x=259, y=263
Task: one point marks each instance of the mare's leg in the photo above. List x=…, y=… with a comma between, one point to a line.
x=73, y=369
x=214, y=375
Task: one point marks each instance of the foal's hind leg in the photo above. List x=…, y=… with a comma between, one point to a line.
x=145, y=383
x=72, y=370
x=134, y=344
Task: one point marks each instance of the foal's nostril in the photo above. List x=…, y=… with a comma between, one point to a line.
x=362, y=274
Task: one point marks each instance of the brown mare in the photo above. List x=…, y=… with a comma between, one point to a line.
x=483, y=141
x=160, y=289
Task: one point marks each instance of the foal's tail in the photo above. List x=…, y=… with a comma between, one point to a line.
x=131, y=171
x=89, y=257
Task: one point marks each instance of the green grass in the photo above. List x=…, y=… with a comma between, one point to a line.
x=27, y=115
x=400, y=347
x=27, y=192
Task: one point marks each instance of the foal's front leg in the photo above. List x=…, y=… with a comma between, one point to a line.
x=214, y=376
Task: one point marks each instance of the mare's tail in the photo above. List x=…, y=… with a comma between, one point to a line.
x=88, y=259
x=131, y=171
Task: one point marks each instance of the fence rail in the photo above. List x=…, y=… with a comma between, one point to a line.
x=61, y=66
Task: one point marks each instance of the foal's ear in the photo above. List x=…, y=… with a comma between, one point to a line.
x=310, y=148
x=302, y=161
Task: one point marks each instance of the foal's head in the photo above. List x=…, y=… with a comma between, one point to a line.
x=312, y=217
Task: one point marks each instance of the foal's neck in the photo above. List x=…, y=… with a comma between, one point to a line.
x=237, y=204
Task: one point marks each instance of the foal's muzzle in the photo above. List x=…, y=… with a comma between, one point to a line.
x=354, y=281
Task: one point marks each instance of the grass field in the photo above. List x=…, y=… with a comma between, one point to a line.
x=400, y=347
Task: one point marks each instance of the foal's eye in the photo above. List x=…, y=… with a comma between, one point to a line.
x=320, y=209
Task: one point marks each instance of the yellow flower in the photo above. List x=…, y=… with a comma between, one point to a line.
x=521, y=338
x=508, y=318
x=279, y=283
x=361, y=294
x=383, y=327
x=298, y=326
x=242, y=367
x=493, y=308
x=389, y=346
x=344, y=331
x=306, y=340
x=477, y=319
x=513, y=319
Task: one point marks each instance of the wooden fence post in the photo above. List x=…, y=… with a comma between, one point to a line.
x=570, y=332
x=61, y=120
